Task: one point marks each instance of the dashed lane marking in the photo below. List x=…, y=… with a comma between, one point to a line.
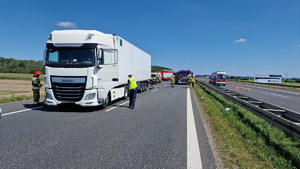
x=115, y=106
x=279, y=95
x=19, y=111
x=154, y=90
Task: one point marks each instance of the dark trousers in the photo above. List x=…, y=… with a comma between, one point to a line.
x=36, y=96
x=132, y=97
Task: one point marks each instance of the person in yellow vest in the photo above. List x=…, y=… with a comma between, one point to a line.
x=36, y=85
x=132, y=91
x=172, y=81
x=189, y=81
x=193, y=81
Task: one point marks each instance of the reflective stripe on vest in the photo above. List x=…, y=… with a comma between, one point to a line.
x=132, y=83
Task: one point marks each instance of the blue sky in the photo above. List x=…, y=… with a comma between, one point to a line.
x=241, y=37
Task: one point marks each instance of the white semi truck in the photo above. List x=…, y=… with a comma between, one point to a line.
x=90, y=68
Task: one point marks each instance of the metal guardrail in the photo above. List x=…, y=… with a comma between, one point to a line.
x=269, y=84
x=287, y=120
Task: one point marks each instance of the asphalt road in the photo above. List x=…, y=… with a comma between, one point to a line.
x=158, y=133
x=287, y=99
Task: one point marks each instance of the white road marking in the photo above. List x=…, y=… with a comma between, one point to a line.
x=19, y=111
x=279, y=95
x=154, y=90
x=193, y=150
x=116, y=106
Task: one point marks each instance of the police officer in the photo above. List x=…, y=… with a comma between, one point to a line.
x=132, y=91
x=36, y=85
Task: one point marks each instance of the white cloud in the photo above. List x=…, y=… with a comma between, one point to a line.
x=240, y=40
x=299, y=45
x=186, y=60
x=227, y=67
x=218, y=65
x=66, y=24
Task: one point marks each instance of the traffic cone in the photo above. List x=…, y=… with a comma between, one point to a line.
x=248, y=90
x=232, y=85
x=229, y=84
x=241, y=87
x=236, y=89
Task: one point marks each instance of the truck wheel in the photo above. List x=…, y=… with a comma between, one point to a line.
x=106, y=101
x=140, y=89
x=146, y=86
x=125, y=93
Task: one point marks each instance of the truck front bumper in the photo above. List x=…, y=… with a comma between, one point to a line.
x=84, y=102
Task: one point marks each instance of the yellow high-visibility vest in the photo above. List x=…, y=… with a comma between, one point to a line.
x=132, y=83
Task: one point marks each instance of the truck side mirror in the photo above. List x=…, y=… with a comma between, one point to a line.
x=44, y=56
x=99, y=54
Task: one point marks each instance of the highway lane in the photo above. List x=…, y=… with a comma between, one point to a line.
x=153, y=135
x=284, y=98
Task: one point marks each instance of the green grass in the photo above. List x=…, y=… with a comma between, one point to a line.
x=18, y=76
x=15, y=98
x=244, y=139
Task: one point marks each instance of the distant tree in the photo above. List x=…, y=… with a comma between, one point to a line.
x=159, y=68
x=10, y=65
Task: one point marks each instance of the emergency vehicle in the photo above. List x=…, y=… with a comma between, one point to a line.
x=218, y=78
x=166, y=74
x=154, y=78
x=182, y=76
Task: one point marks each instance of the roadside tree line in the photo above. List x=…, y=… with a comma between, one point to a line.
x=11, y=65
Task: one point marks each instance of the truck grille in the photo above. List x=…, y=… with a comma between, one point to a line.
x=69, y=92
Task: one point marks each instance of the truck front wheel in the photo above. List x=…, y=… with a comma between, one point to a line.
x=106, y=101
x=125, y=93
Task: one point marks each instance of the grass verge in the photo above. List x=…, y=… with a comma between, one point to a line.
x=14, y=98
x=243, y=139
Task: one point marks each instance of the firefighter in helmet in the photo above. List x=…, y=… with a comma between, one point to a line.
x=172, y=80
x=193, y=81
x=36, y=85
x=189, y=81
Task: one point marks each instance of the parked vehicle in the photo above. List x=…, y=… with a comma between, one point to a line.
x=218, y=78
x=90, y=68
x=182, y=76
x=154, y=78
x=166, y=74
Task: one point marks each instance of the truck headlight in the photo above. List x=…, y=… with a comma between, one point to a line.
x=49, y=96
x=90, y=96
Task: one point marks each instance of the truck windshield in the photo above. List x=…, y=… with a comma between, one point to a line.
x=153, y=76
x=221, y=76
x=184, y=74
x=71, y=58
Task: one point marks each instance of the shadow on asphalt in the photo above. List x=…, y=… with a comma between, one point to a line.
x=72, y=108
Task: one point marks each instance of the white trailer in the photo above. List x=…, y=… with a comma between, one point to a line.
x=90, y=68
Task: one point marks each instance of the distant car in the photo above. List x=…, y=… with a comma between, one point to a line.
x=0, y=113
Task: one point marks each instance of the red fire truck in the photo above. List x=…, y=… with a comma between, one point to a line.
x=182, y=76
x=166, y=74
